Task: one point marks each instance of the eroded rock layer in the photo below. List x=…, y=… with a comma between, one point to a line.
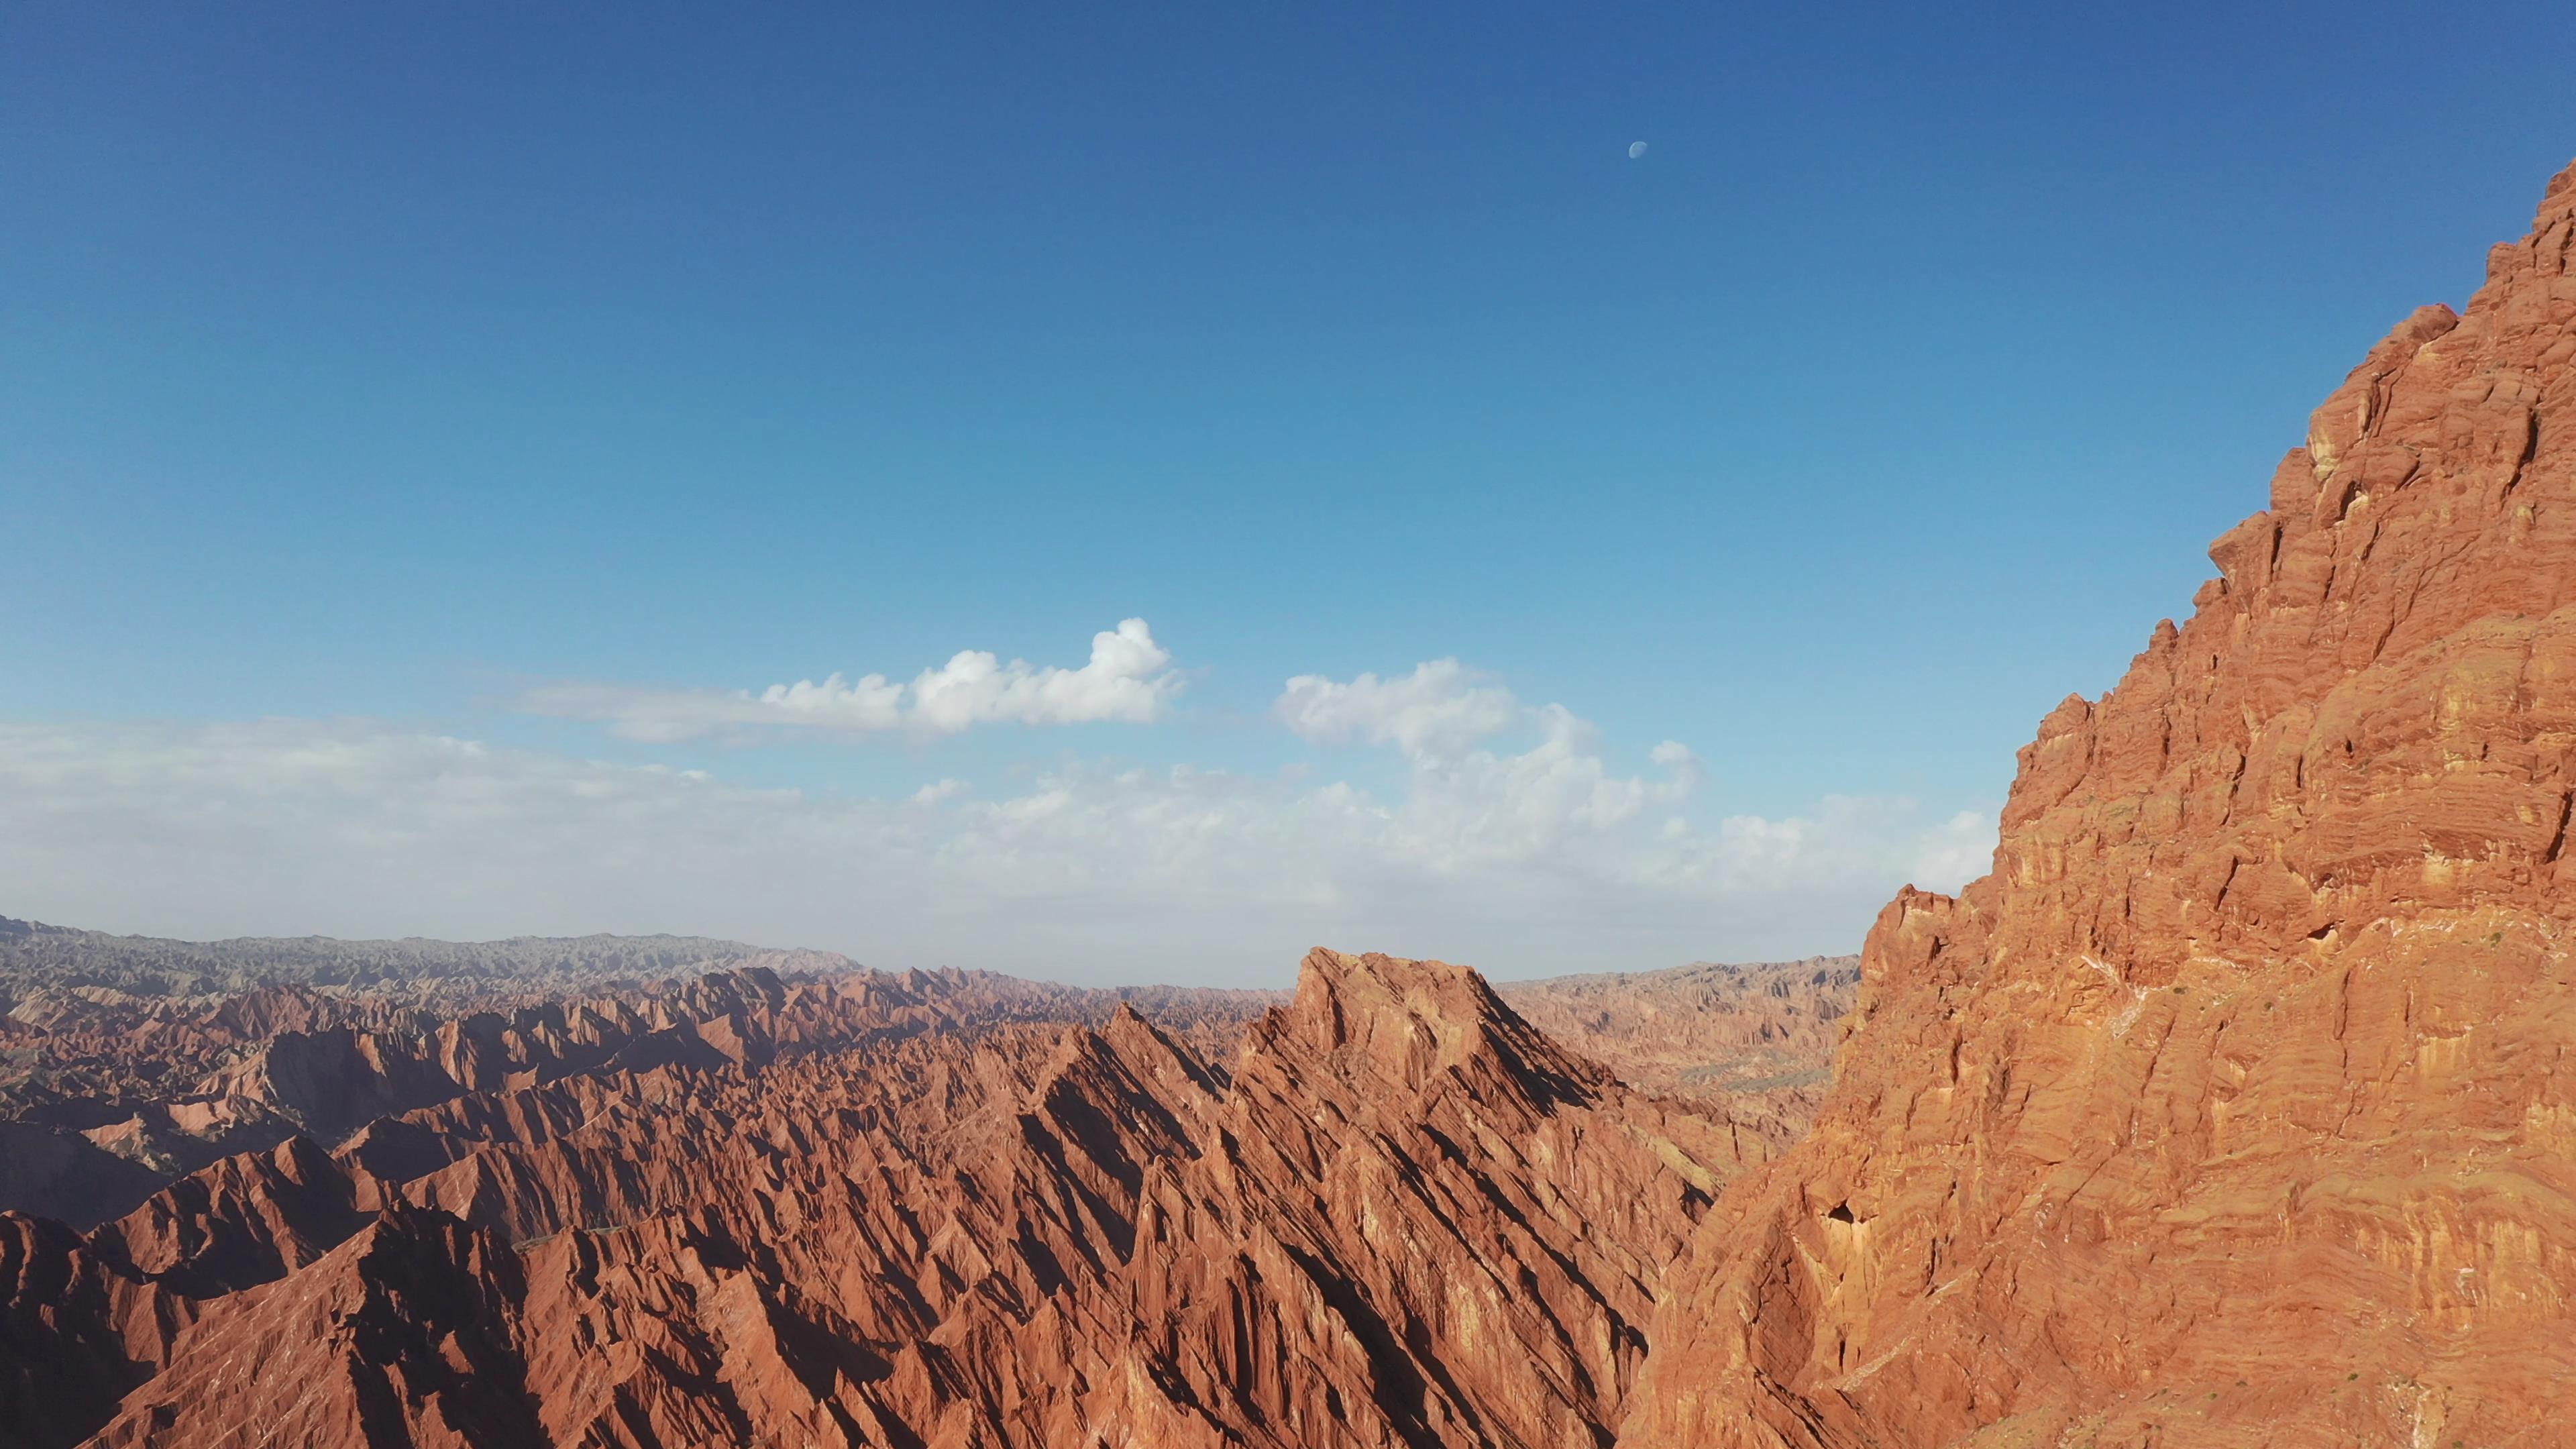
x=2238, y=1105
x=119, y=1072
x=874, y=1210
x=1757, y=1038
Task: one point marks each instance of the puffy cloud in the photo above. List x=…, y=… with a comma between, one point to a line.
x=1440, y=708
x=1468, y=806
x=1128, y=678
x=1541, y=860
x=1481, y=807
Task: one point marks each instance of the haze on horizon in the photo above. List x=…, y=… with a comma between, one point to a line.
x=1134, y=496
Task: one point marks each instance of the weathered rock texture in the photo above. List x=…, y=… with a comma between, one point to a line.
x=1757, y=1038
x=119, y=1071
x=2238, y=1105
x=882, y=1210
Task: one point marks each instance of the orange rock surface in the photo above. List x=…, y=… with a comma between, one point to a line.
x=876, y=1210
x=1755, y=1038
x=2238, y=1105
x=113, y=1093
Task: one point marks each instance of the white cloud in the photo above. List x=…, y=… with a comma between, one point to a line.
x=1438, y=709
x=938, y=790
x=1468, y=806
x=1481, y=807
x=1541, y=860
x=1128, y=678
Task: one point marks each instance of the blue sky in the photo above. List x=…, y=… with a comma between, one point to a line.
x=375, y=380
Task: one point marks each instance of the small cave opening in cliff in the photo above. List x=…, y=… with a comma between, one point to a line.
x=1841, y=1212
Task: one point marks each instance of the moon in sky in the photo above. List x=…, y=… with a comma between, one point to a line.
x=1636, y=149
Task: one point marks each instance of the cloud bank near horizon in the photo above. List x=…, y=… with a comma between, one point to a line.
x=1522, y=861
x=1129, y=678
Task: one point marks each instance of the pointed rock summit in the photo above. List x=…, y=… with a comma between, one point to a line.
x=1410, y=1023
x=2234, y=1108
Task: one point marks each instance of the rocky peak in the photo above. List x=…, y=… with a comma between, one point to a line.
x=1413, y=1023
x=2209, y=1113
x=399, y=1335
x=2360, y=716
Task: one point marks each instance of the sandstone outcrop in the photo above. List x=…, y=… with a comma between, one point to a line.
x=878, y=1210
x=2238, y=1105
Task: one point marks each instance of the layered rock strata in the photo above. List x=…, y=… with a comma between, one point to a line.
x=107, y=1094
x=1399, y=1215
x=2238, y=1105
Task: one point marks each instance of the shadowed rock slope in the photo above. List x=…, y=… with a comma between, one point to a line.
x=107, y=1093
x=2238, y=1105
x=861, y=1212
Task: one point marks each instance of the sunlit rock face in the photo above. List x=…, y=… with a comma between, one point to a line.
x=881, y=1210
x=2238, y=1105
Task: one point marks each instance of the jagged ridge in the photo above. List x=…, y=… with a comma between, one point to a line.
x=1400, y=1214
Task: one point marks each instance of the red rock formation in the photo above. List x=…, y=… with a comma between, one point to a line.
x=1422, y=1222
x=76, y=1333
x=401, y=1335
x=244, y=1221
x=2238, y=1105
x=1756, y=1039
x=130, y=1093
x=1401, y=1216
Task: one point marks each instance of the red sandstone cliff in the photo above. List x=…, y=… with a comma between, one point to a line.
x=2238, y=1105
